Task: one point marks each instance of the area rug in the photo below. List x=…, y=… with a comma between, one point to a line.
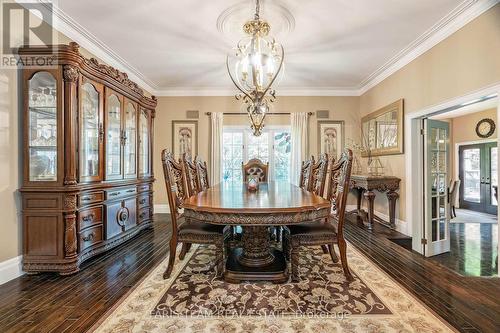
x=194, y=300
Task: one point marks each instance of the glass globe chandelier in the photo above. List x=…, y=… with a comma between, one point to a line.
x=254, y=66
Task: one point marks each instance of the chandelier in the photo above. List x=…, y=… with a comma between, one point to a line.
x=254, y=65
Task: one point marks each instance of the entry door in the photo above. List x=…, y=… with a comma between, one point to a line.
x=436, y=177
x=478, y=175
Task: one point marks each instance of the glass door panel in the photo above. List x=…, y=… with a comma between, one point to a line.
x=90, y=132
x=478, y=173
x=113, y=137
x=42, y=127
x=143, y=143
x=436, y=226
x=129, y=149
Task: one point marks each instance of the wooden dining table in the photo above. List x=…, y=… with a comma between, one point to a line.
x=273, y=204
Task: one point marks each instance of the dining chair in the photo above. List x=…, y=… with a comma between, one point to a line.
x=317, y=177
x=255, y=167
x=327, y=232
x=203, y=181
x=305, y=171
x=193, y=185
x=453, y=196
x=187, y=232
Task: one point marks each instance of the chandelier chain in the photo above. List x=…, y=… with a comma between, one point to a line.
x=257, y=9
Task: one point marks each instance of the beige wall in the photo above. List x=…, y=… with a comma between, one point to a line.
x=174, y=108
x=463, y=130
x=466, y=61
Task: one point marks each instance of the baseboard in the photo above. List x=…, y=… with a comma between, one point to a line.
x=161, y=209
x=11, y=269
x=401, y=226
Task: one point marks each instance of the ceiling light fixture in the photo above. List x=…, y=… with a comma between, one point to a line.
x=254, y=65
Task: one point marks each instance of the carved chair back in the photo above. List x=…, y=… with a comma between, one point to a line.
x=191, y=170
x=203, y=182
x=255, y=167
x=338, y=189
x=175, y=181
x=305, y=171
x=317, y=175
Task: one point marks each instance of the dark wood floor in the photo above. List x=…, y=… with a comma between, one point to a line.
x=48, y=303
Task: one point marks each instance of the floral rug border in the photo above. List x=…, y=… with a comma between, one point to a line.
x=409, y=314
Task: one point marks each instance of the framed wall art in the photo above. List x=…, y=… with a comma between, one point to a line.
x=184, y=137
x=331, y=137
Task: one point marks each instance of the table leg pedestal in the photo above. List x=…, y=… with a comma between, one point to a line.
x=392, y=196
x=256, y=259
x=370, y=197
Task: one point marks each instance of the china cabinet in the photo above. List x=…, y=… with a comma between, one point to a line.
x=87, y=179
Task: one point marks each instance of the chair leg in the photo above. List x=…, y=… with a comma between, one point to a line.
x=343, y=258
x=331, y=249
x=184, y=250
x=294, y=262
x=325, y=249
x=171, y=258
x=454, y=212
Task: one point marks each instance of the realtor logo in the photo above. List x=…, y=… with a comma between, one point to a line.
x=25, y=23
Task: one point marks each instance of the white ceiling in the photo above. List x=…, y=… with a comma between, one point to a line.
x=330, y=45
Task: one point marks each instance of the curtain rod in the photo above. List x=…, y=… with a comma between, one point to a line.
x=269, y=113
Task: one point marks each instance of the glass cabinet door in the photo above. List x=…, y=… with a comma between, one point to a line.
x=129, y=148
x=42, y=127
x=113, y=137
x=90, y=133
x=143, y=143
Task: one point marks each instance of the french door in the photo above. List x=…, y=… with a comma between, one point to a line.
x=436, y=177
x=478, y=175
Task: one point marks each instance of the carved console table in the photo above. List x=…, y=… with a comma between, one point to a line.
x=365, y=185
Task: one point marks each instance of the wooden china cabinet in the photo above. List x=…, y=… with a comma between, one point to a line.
x=88, y=138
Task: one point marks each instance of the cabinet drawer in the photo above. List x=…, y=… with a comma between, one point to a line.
x=144, y=214
x=90, y=198
x=143, y=188
x=90, y=237
x=143, y=201
x=89, y=217
x=120, y=193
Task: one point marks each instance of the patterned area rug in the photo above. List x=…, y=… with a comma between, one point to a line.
x=193, y=300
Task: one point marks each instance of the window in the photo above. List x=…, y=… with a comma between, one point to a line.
x=240, y=145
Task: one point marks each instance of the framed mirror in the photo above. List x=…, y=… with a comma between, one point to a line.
x=382, y=130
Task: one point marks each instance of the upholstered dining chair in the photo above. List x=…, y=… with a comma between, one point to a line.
x=187, y=232
x=203, y=181
x=317, y=176
x=328, y=232
x=305, y=171
x=191, y=170
x=255, y=167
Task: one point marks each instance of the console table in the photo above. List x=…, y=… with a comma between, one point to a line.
x=365, y=185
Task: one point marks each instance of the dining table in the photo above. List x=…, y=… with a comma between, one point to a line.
x=274, y=203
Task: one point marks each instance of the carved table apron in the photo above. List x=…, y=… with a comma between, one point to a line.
x=365, y=185
x=274, y=204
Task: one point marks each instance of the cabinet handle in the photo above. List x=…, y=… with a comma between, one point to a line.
x=130, y=191
x=142, y=201
x=88, y=198
x=142, y=215
x=89, y=237
x=88, y=218
x=114, y=194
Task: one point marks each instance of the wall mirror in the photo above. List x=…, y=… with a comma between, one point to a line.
x=382, y=131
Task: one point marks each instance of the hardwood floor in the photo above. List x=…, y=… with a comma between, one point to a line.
x=49, y=303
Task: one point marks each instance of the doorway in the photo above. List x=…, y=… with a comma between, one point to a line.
x=478, y=176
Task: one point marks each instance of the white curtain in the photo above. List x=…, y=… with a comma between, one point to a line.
x=216, y=147
x=299, y=144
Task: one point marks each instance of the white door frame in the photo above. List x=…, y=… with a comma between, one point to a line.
x=414, y=157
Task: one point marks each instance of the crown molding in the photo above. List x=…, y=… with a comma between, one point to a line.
x=451, y=23
x=465, y=12
x=65, y=24
x=301, y=91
